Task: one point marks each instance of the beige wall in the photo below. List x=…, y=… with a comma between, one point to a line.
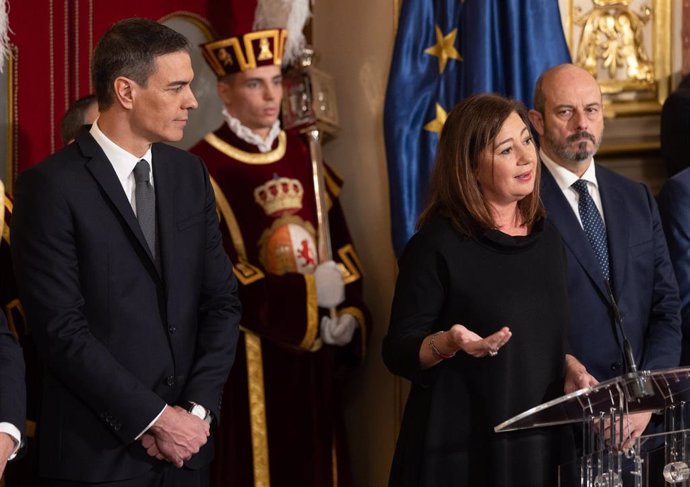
x=354, y=41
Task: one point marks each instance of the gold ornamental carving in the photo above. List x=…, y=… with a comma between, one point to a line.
x=613, y=40
x=626, y=46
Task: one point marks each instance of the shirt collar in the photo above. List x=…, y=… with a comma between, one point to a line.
x=564, y=178
x=123, y=162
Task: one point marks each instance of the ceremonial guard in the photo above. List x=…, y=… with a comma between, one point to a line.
x=304, y=322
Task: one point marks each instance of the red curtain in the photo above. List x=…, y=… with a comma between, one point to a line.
x=52, y=43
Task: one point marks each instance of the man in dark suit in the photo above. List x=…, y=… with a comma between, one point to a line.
x=675, y=127
x=82, y=112
x=674, y=206
x=612, y=234
x=12, y=386
x=123, y=276
x=12, y=394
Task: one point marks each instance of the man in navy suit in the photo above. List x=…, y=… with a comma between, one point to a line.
x=126, y=286
x=675, y=127
x=12, y=393
x=628, y=259
x=12, y=385
x=674, y=206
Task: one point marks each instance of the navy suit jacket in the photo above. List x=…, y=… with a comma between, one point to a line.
x=675, y=126
x=674, y=206
x=12, y=387
x=643, y=282
x=119, y=339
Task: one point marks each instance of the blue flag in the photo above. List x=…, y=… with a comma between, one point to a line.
x=446, y=50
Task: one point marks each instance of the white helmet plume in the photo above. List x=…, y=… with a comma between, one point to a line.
x=4, y=32
x=288, y=14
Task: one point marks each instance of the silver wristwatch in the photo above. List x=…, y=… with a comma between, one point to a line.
x=199, y=411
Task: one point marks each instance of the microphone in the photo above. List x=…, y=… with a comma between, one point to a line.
x=639, y=387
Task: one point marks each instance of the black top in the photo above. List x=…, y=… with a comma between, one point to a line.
x=447, y=436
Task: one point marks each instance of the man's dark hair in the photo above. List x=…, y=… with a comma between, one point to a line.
x=73, y=119
x=130, y=48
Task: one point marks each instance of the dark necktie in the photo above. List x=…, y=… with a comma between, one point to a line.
x=593, y=225
x=146, y=203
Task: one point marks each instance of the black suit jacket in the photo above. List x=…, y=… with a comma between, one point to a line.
x=12, y=388
x=675, y=127
x=643, y=281
x=118, y=338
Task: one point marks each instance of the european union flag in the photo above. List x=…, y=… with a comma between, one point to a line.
x=446, y=50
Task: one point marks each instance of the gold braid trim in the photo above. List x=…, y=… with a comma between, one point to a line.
x=359, y=316
x=249, y=157
x=243, y=270
x=230, y=221
x=12, y=310
x=255, y=370
x=9, y=205
x=30, y=428
x=257, y=410
x=351, y=265
x=330, y=182
x=312, y=313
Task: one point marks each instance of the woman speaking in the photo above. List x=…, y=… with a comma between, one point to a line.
x=479, y=314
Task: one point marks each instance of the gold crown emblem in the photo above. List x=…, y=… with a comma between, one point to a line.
x=247, y=51
x=279, y=196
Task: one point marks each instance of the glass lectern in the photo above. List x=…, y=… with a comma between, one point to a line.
x=601, y=411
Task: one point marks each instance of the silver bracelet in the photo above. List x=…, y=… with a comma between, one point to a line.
x=435, y=351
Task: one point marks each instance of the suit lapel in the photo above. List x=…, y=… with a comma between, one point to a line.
x=164, y=181
x=616, y=228
x=561, y=216
x=104, y=174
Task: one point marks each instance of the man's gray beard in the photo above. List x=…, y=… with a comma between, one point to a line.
x=579, y=155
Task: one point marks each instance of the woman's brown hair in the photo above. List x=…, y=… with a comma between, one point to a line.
x=454, y=191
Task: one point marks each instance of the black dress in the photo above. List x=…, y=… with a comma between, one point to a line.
x=447, y=437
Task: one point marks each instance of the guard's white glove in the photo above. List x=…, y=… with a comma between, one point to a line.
x=330, y=288
x=338, y=331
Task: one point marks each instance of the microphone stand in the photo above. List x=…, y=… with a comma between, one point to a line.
x=638, y=385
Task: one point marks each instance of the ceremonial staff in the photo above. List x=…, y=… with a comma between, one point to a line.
x=309, y=104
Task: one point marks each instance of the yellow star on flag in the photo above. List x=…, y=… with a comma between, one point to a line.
x=444, y=48
x=437, y=124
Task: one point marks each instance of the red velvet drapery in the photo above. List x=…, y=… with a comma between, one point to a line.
x=52, y=42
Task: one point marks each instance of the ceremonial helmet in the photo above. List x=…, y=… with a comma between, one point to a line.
x=262, y=33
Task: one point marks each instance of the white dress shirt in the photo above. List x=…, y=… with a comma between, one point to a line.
x=565, y=179
x=122, y=161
